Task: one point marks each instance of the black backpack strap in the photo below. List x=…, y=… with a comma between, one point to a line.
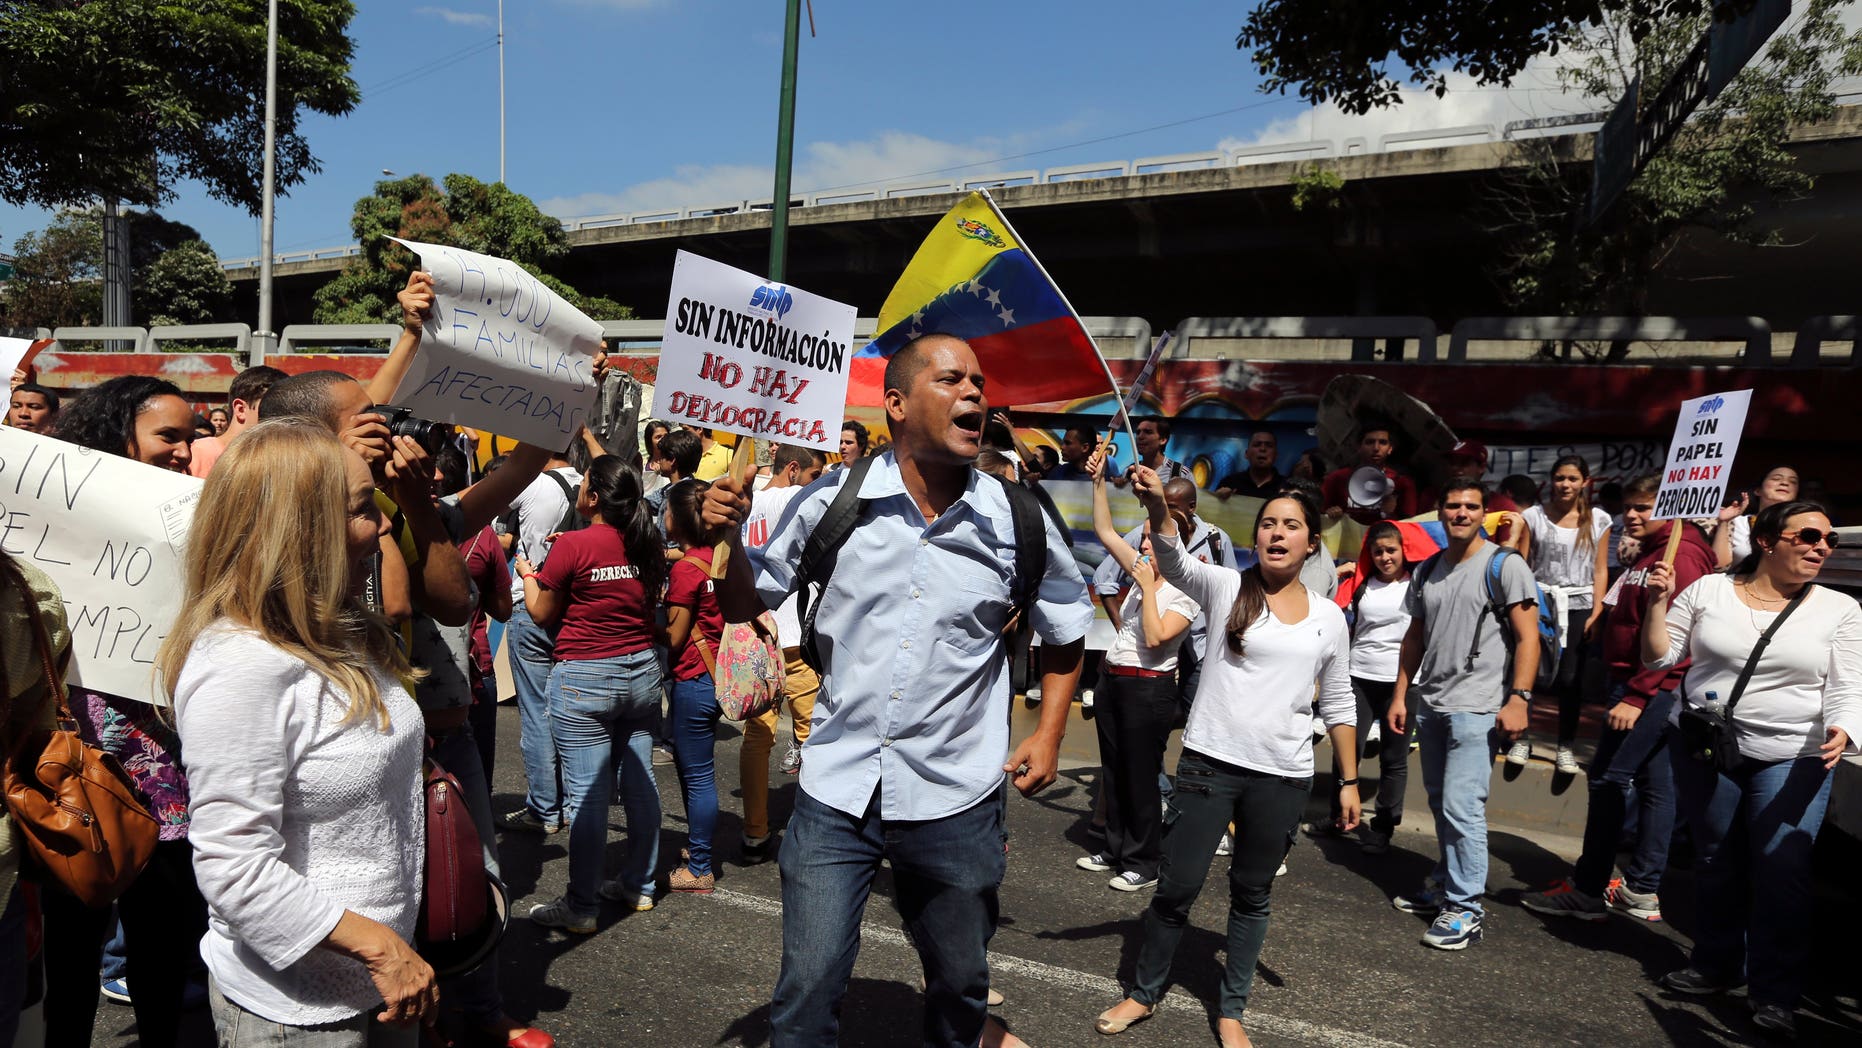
x=567, y=522
x=1029, y=522
x=842, y=516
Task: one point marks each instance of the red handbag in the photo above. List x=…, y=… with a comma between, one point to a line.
x=463, y=909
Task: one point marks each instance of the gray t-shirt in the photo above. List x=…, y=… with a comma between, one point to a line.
x=443, y=651
x=1451, y=604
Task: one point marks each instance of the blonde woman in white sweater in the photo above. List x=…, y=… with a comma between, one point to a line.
x=303, y=750
x=1799, y=713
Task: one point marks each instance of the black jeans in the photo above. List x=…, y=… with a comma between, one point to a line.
x=1580, y=673
x=1266, y=811
x=164, y=918
x=1392, y=759
x=1134, y=721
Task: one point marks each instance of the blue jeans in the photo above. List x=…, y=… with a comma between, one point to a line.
x=115, y=964
x=457, y=751
x=531, y=656
x=1753, y=832
x=945, y=873
x=695, y=713
x=597, y=703
x=1266, y=812
x=1633, y=763
x=1457, y=770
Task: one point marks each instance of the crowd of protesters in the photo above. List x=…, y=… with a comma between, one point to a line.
x=338, y=633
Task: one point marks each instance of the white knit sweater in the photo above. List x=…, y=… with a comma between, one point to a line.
x=296, y=817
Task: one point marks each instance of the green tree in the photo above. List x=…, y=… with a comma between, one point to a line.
x=184, y=286
x=1329, y=51
x=1722, y=165
x=57, y=275
x=485, y=217
x=124, y=98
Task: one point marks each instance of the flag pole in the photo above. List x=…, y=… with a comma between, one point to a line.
x=1097, y=352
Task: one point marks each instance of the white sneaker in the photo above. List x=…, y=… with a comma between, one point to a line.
x=1519, y=753
x=1227, y=845
x=1282, y=871
x=1033, y=693
x=1130, y=881
x=1567, y=762
x=1097, y=862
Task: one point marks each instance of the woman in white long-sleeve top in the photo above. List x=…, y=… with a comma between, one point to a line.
x=1247, y=751
x=303, y=751
x=1799, y=712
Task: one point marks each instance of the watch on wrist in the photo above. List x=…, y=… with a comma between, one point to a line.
x=1524, y=693
x=1342, y=783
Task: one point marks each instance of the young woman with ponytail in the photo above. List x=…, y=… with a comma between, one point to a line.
x=1570, y=556
x=1247, y=755
x=596, y=594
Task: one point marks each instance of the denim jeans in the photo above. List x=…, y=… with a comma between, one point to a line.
x=531, y=656
x=598, y=703
x=115, y=963
x=800, y=685
x=12, y=962
x=945, y=874
x=695, y=713
x=238, y=1028
x=1633, y=763
x=1266, y=812
x=1753, y=833
x=458, y=752
x=1457, y=770
x=1134, y=718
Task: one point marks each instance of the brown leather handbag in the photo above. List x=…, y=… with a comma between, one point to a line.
x=83, y=826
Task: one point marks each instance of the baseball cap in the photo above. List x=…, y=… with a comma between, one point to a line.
x=1473, y=449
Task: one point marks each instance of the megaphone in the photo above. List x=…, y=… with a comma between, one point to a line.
x=1368, y=487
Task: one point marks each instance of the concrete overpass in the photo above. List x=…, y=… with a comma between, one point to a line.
x=1412, y=234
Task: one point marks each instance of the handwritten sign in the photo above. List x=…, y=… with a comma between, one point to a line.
x=501, y=352
x=752, y=357
x=1700, y=459
x=16, y=353
x=110, y=531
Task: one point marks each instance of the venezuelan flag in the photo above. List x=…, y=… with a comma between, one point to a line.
x=973, y=279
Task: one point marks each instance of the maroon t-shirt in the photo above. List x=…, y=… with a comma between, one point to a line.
x=691, y=587
x=490, y=571
x=609, y=612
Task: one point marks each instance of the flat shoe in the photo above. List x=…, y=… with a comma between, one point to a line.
x=1107, y=1024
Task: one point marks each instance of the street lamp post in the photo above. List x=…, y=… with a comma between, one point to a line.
x=264, y=335
x=785, y=144
x=500, y=92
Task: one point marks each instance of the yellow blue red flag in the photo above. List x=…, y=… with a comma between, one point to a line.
x=974, y=279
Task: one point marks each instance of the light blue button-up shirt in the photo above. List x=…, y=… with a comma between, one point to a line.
x=914, y=697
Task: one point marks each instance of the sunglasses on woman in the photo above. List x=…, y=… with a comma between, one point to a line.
x=1812, y=536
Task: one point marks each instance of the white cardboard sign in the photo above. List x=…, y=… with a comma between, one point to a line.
x=501, y=352
x=1700, y=459
x=111, y=532
x=751, y=357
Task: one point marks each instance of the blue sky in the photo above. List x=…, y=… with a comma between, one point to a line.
x=618, y=105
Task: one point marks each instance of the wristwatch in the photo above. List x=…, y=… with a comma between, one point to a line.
x=1523, y=693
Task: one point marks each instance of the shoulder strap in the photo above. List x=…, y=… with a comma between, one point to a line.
x=1752, y=661
x=704, y=651
x=1030, y=547
x=834, y=526
x=1495, y=565
x=568, y=495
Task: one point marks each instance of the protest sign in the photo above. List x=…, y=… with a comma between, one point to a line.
x=501, y=351
x=16, y=353
x=748, y=356
x=110, y=531
x=1700, y=459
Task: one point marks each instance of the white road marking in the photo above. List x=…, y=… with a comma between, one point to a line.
x=1068, y=979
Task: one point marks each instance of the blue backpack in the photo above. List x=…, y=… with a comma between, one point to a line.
x=1549, y=650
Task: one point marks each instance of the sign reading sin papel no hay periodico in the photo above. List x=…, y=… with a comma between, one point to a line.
x=1700, y=459
x=752, y=357
x=501, y=351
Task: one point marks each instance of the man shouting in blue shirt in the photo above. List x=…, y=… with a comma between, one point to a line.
x=911, y=731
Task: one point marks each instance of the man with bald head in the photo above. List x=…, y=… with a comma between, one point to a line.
x=910, y=742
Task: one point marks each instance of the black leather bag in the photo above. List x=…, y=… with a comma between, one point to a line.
x=1709, y=734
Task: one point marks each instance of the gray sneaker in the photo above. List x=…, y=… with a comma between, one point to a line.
x=1776, y=1020
x=1454, y=929
x=1691, y=981
x=1565, y=900
x=792, y=760
x=526, y=821
x=1644, y=906
x=1130, y=881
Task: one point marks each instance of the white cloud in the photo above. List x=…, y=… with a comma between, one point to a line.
x=452, y=17
x=891, y=156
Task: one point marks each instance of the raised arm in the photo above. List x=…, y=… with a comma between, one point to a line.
x=1208, y=585
x=416, y=304
x=1121, y=552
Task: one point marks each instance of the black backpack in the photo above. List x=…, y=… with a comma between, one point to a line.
x=571, y=520
x=847, y=510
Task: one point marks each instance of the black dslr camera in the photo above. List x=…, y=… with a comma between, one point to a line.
x=401, y=423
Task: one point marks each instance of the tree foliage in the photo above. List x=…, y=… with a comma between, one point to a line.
x=1714, y=176
x=175, y=277
x=57, y=275
x=123, y=98
x=485, y=217
x=186, y=285
x=1336, y=52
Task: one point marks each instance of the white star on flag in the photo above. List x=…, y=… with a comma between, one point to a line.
x=1008, y=317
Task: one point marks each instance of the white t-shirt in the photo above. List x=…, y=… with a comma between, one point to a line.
x=1739, y=540
x=1129, y=649
x=766, y=507
x=1809, y=676
x=540, y=508
x=1256, y=710
x=1377, y=640
x=1556, y=559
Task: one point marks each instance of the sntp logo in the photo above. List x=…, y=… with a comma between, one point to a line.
x=772, y=298
x=1708, y=407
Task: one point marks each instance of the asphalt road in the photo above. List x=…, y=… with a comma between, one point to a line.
x=1340, y=967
